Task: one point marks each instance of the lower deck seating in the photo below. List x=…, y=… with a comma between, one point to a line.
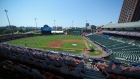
x=120, y=49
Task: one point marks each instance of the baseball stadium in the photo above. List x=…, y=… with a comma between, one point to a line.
x=70, y=51
x=89, y=52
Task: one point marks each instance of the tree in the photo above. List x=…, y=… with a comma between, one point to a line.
x=1, y=31
x=7, y=31
x=20, y=30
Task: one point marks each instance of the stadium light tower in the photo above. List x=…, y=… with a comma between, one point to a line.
x=72, y=23
x=55, y=26
x=8, y=20
x=36, y=24
x=86, y=26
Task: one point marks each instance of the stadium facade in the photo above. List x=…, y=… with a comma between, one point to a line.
x=130, y=11
x=128, y=29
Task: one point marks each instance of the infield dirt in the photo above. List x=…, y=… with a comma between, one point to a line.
x=58, y=44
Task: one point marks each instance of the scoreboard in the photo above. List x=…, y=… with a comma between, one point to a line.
x=46, y=30
x=74, y=31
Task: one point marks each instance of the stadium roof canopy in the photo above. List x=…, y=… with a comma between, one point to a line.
x=123, y=25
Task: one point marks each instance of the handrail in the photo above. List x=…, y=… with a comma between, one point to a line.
x=106, y=74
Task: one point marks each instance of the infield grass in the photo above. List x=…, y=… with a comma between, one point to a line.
x=95, y=53
x=69, y=45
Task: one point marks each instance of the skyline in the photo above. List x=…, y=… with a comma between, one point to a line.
x=24, y=12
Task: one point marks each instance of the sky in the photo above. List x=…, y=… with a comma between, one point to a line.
x=24, y=12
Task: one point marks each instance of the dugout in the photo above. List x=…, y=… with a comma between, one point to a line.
x=74, y=31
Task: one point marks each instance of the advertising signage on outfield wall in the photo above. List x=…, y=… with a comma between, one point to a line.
x=74, y=31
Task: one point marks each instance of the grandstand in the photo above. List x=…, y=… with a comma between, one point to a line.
x=119, y=48
x=121, y=41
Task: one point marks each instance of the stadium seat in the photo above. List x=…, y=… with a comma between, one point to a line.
x=121, y=77
x=112, y=76
x=48, y=75
x=57, y=77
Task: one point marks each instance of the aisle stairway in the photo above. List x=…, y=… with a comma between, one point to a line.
x=92, y=73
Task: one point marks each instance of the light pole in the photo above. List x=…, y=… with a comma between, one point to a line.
x=55, y=26
x=86, y=25
x=54, y=22
x=36, y=24
x=72, y=23
x=8, y=20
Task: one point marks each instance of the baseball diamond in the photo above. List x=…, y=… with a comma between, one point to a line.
x=60, y=43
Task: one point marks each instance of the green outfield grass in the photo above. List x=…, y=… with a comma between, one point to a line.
x=95, y=53
x=69, y=45
x=41, y=42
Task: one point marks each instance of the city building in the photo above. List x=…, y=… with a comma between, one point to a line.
x=130, y=11
x=87, y=24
